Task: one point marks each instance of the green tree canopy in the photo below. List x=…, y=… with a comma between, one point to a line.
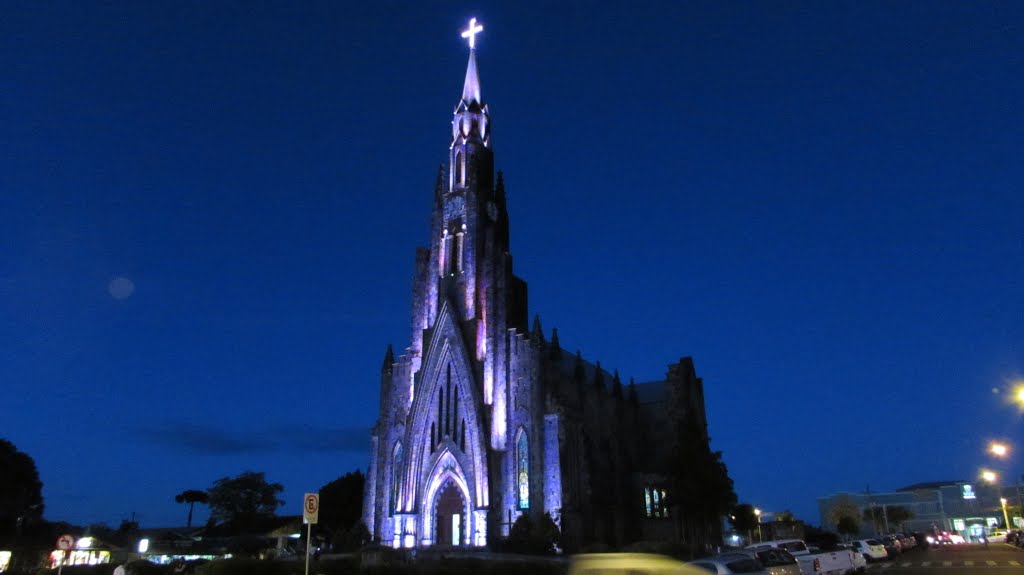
x=898, y=515
x=21, y=491
x=245, y=499
x=786, y=515
x=700, y=488
x=873, y=516
x=191, y=496
x=847, y=525
x=341, y=502
x=887, y=516
x=539, y=538
x=842, y=506
x=742, y=518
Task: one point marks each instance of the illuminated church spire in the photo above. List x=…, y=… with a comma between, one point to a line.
x=471, y=88
x=470, y=126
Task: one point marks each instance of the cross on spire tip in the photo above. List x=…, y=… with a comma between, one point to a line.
x=471, y=32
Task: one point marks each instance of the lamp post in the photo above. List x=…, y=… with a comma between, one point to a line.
x=991, y=477
x=757, y=513
x=1000, y=450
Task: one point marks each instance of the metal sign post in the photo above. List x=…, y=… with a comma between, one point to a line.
x=64, y=543
x=310, y=515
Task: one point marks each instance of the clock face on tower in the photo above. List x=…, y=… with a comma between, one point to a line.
x=453, y=207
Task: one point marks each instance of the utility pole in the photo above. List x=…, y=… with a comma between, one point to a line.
x=871, y=506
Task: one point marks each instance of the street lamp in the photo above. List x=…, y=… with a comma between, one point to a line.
x=757, y=513
x=998, y=449
x=1018, y=394
x=992, y=477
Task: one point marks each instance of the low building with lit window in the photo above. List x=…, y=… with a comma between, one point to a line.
x=484, y=418
x=85, y=551
x=971, y=509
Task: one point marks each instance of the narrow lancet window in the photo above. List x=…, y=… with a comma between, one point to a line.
x=396, y=477
x=523, y=469
x=458, y=251
x=440, y=414
x=459, y=169
x=441, y=257
x=447, y=254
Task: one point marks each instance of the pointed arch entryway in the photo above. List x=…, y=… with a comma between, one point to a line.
x=450, y=516
x=447, y=517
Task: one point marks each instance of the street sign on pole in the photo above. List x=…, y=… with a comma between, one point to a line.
x=310, y=515
x=65, y=543
x=311, y=508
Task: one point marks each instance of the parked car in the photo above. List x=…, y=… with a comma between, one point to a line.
x=777, y=561
x=730, y=563
x=997, y=536
x=892, y=545
x=871, y=549
x=860, y=563
x=838, y=562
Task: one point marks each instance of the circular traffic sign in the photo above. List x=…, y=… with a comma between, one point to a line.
x=65, y=542
x=312, y=503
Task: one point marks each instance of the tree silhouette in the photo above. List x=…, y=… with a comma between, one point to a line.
x=700, y=489
x=842, y=506
x=898, y=515
x=21, y=492
x=847, y=525
x=191, y=496
x=244, y=500
x=341, y=503
x=743, y=519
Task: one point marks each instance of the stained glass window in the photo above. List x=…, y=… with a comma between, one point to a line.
x=396, y=476
x=523, y=470
x=655, y=503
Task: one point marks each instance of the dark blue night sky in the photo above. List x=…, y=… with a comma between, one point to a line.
x=210, y=213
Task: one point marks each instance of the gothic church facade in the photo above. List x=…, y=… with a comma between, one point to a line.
x=483, y=419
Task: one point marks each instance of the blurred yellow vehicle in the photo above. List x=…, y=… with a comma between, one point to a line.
x=629, y=564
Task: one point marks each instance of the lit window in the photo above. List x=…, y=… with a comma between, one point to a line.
x=396, y=476
x=655, y=502
x=523, y=470
x=458, y=251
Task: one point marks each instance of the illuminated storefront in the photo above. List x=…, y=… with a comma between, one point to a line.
x=79, y=557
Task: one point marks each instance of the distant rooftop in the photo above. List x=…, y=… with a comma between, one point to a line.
x=932, y=485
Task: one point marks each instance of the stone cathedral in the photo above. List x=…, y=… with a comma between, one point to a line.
x=482, y=418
